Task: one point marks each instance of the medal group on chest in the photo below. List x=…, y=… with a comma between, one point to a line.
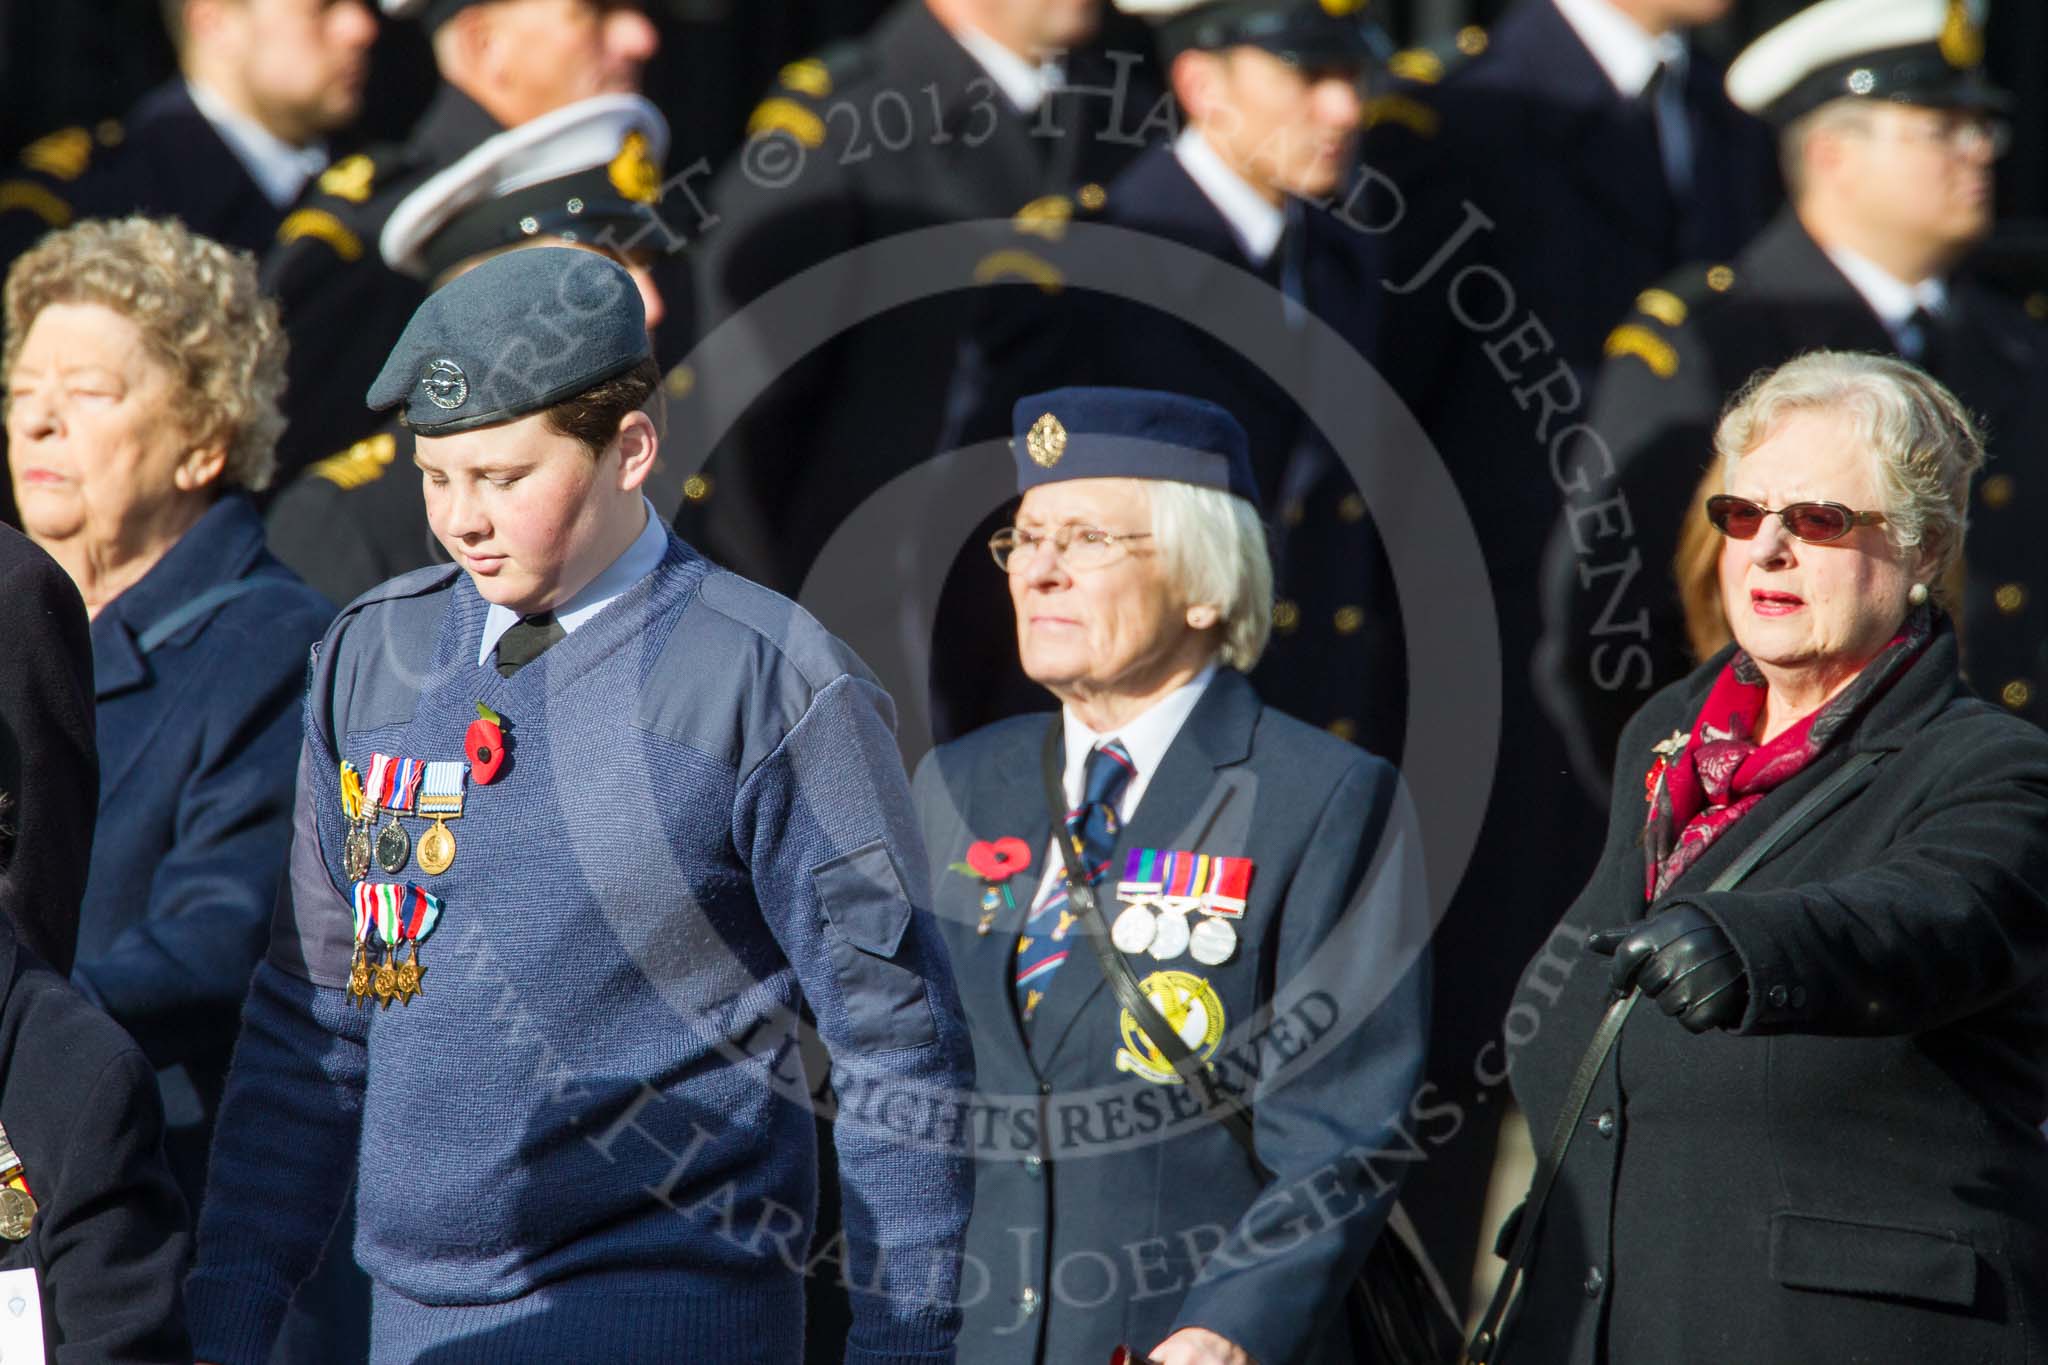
x=393, y=918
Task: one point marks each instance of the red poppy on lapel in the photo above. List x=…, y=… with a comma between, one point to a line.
x=999, y=860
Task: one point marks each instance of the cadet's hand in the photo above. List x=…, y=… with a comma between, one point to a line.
x=1681, y=959
x=1199, y=1346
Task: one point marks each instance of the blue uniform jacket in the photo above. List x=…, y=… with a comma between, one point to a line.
x=1107, y=1210
x=198, y=743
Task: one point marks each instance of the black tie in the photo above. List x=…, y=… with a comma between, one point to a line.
x=1920, y=340
x=527, y=641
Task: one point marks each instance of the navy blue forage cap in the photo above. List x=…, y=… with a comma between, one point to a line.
x=519, y=333
x=1308, y=33
x=1100, y=433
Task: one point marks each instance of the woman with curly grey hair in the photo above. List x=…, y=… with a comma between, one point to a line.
x=143, y=372
x=1825, y=1141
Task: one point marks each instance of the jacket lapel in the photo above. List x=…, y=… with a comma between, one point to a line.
x=1182, y=803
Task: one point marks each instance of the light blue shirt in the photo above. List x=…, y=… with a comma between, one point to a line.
x=641, y=558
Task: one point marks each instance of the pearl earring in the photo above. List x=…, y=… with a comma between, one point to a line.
x=1917, y=595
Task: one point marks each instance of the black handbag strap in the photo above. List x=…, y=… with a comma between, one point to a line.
x=1548, y=1163
x=1201, y=1080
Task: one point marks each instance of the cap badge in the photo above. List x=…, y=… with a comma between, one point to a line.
x=632, y=173
x=1046, y=442
x=1340, y=9
x=446, y=385
x=1962, y=42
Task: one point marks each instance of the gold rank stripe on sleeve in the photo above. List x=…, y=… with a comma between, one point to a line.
x=36, y=199
x=1047, y=217
x=1645, y=345
x=807, y=77
x=321, y=225
x=1417, y=117
x=62, y=155
x=998, y=266
x=364, y=462
x=780, y=115
x=1662, y=305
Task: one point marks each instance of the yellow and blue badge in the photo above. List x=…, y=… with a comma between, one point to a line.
x=1190, y=1007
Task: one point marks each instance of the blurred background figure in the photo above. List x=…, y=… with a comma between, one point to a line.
x=143, y=373
x=1831, y=1146
x=1890, y=131
x=501, y=64
x=224, y=146
x=586, y=175
x=49, y=766
x=1270, y=94
x=963, y=110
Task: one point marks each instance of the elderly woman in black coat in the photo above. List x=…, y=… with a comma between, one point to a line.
x=1825, y=1142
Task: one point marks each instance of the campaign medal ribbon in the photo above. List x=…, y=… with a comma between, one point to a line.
x=17, y=1204
x=359, y=977
x=1178, y=883
x=394, y=783
x=355, y=847
x=441, y=799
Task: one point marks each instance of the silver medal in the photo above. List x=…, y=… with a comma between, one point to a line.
x=1212, y=942
x=1133, y=930
x=1170, y=938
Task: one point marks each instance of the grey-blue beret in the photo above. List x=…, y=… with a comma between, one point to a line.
x=519, y=333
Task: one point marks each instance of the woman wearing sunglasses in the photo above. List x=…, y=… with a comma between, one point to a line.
x=1825, y=1142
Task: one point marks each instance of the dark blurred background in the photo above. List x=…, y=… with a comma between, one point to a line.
x=65, y=62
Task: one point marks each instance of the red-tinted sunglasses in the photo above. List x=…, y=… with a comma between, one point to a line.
x=1815, y=522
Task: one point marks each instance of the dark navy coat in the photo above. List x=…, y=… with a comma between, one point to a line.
x=110, y=1241
x=1099, y=1195
x=199, y=746
x=1856, y=1172
x=1336, y=658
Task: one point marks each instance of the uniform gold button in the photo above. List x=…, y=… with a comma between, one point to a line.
x=1092, y=197
x=1352, y=508
x=2011, y=598
x=1344, y=728
x=1720, y=279
x=1997, y=491
x=697, y=487
x=1286, y=616
x=1471, y=40
x=1349, y=620
x=681, y=380
x=2017, y=693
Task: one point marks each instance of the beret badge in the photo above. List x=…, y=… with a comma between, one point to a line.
x=446, y=385
x=1046, y=441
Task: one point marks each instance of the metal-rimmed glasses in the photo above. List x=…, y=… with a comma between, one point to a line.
x=1816, y=523
x=1077, y=548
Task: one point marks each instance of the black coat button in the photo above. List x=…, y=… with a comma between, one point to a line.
x=1778, y=996
x=1595, y=1282
x=1605, y=1124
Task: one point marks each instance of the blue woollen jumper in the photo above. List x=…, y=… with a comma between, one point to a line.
x=588, y=1138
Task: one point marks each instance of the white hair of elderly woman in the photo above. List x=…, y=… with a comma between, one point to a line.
x=1214, y=547
x=1921, y=440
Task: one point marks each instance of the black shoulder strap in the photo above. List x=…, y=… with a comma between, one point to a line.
x=1487, y=1337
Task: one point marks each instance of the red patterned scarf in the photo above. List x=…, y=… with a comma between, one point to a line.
x=1703, y=783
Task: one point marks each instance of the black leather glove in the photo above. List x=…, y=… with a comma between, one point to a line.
x=1681, y=959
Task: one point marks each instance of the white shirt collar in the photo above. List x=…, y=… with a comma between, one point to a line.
x=1024, y=83
x=1625, y=51
x=1255, y=222
x=1146, y=738
x=1891, y=298
x=641, y=558
x=279, y=169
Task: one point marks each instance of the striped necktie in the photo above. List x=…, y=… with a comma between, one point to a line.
x=1093, y=827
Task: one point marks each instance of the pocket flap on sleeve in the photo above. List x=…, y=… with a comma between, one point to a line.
x=865, y=899
x=1846, y=1257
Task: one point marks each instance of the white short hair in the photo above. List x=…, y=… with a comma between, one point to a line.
x=1214, y=547
x=1920, y=439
